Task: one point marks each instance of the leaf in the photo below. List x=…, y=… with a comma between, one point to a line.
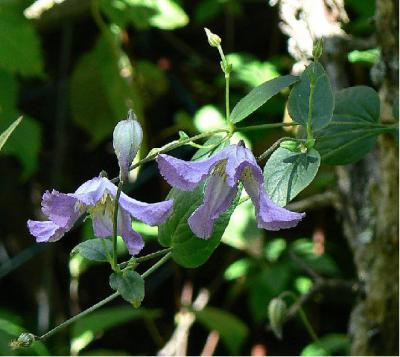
x=6, y=133
x=98, y=93
x=259, y=96
x=232, y=330
x=334, y=344
x=85, y=329
x=25, y=143
x=20, y=47
x=162, y=14
x=286, y=173
x=130, y=285
x=189, y=250
x=351, y=133
x=94, y=249
x=323, y=99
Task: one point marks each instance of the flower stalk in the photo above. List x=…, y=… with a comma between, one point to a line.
x=115, y=227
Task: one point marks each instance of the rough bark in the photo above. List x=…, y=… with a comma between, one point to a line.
x=369, y=189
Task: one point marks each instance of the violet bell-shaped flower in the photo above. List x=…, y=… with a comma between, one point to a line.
x=97, y=198
x=224, y=171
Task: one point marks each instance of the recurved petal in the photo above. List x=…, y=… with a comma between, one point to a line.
x=149, y=213
x=185, y=175
x=90, y=192
x=269, y=215
x=217, y=199
x=60, y=208
x=45, y=231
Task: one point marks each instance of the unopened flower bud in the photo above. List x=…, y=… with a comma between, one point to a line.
x=24, y=340
x=127, y=138
x=213, y=39
x=277, y=311
x=317, y=49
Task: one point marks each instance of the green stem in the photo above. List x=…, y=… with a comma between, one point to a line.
x=145, y=257
x=275, y=145
x=310, y=108
x=302, y=315
x=102, y=302
x=115, y=227
x=265, y=126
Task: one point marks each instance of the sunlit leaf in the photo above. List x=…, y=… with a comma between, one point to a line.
x=97, y=249
x=323, y=98
x=232, y=330
x=237, y=269
x=259, y=96
x=287, y=173
x=369, y=56
x=351, y=133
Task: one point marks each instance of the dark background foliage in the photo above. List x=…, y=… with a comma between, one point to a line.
x=63, y=72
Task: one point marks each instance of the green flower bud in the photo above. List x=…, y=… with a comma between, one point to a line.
x=277, y=311
x=213, y=39
x=127, y=138
x=317, y=49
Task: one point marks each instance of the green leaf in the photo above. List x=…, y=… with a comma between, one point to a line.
x=20, y=48
x=96, y=249
x=286, y=173
x=6, y=133
x=232, y=330
x=334, y=344
x=162, y=14
x=369, y=56
x=98, y=93
x=259, y=95
x=130, y=285
x=86, y=328
x=323, y=99
x=25, y=142
x=189, y=250
x=351, y=133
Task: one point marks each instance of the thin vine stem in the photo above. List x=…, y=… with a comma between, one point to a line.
x=266, y=126
x=101, y=303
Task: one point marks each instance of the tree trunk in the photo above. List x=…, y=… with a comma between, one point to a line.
x=370, y=193
x=369, y=189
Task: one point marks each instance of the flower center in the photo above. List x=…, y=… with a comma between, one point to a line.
x=104, y=207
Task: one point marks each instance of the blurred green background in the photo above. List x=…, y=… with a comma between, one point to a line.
x=73, y=70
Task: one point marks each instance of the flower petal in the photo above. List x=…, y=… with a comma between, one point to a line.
x=217, y=199
x=132, y=239
x=45, y=231
x=90, y=192
x=149, y=213
x=60, y=208
x=269, y=215
x=102, y=225
x=186, y=175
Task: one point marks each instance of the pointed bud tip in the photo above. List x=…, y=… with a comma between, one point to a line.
x=318, y=48
x=277, y=311
x=213, y=39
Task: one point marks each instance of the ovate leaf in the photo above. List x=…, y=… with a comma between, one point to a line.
x=130, y=285
x=259, y=96
x=232, y=330
x=19, y=44
x=323, y=98
x=97, y=249
x=352, y=131
x=189, y=250
x=6, y=133
x=98, y=93
x=329, y=345
x=287, y=173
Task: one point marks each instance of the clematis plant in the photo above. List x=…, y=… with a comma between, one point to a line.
x=225, y=170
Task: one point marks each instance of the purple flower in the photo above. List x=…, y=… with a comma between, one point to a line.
x=97, y=198
x=225, y=169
